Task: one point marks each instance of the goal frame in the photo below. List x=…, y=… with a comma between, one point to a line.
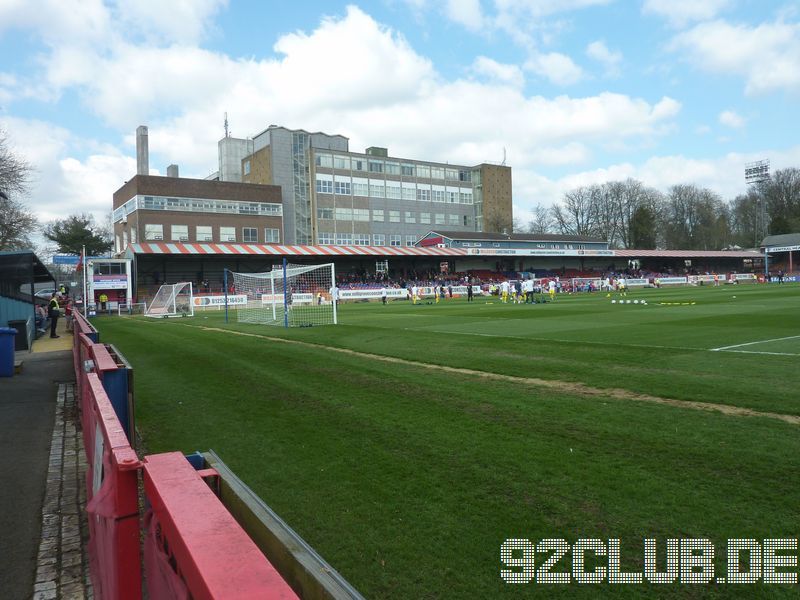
x=170, y=307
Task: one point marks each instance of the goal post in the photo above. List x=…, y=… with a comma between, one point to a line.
x=172, y=300
x=289, y=295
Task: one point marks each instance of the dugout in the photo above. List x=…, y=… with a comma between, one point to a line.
x=20, y=271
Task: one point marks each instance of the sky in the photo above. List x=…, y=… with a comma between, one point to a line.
x=567, y=92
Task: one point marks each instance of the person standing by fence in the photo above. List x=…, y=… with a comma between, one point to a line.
x=54, y=312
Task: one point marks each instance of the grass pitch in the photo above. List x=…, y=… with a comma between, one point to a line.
x=409, y=442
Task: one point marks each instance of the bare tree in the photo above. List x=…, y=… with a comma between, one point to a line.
x=542, y=221
x=17, y=222
x=575, y=214
x=782, y=196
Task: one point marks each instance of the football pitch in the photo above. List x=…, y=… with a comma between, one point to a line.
x=408, y=443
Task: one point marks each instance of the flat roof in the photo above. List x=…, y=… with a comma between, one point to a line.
x=514, y=237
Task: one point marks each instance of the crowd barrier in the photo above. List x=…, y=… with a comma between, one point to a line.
x=193, y=545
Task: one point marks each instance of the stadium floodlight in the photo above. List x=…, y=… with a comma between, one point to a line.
x=288, y=295
x=172, y=300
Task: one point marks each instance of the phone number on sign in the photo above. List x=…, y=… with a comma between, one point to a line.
x=683, y=561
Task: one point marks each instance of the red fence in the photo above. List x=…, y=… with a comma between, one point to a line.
x=193, y=546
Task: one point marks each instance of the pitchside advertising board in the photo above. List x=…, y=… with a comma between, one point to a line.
x=209, y=301
x=110, y=282
x=536, y=252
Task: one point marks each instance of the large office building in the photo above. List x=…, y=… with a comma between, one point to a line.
x=331, y=195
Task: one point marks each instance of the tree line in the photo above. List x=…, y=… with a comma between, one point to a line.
x=19, y=225
x=687, y=217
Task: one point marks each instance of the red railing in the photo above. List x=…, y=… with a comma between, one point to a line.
x=193, y=546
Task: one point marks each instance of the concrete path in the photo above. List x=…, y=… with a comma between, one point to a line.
x=41, y=515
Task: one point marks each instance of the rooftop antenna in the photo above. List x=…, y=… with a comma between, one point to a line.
x=504, y=157
x=226, y=125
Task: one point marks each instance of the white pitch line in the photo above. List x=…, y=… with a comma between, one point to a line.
x=791, y=337
x=757, y=352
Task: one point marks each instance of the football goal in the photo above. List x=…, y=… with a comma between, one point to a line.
x=172, y=300
x=135, y=308
x=289, y=295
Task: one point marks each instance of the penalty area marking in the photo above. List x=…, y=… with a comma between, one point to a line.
x=577, y=389
x=724, y=348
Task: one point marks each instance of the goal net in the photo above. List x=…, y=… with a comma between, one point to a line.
x=172, y=300
x=291, y=296
x=135, y=308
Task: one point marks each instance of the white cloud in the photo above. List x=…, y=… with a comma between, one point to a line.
x=681, y=12
x=610, y=60
x=502, y=73
x=465, y=12
x=730, y=118
x=540, y=8
x=173, y=22
x=766, y=56
x=556, y=67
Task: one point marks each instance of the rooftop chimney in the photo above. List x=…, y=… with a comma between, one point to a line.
x=172, y=171
x=142, y=151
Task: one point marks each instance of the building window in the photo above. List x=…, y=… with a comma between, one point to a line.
x=325, y=238
x=393, y=191
x=425, y=218
x=324, y=160
x=407, y=169
x=360, y=214
x=359, y=164
x=344, y=214
x=361, y=239
x=452, y=220
x=324, y=213
x=378, y=239
x=392, y=168
x=324, y=186
x=342, y=188
x=227, y=234
x=133, y=235
x=423, y=172
x=341, y=162
x=411, y=217
x=394, y=240
x=247, y=167
x=376, y=166
x=203, y=233
x=440, y=218
x=423, y=195
x=377, y=215
x=250, y=235
x=465, y=176
x=411, y=240
x=437, y=173
x=360, y=188
x=124, y=240
x=180, y=233
x=153, y=232
x=344, y=239
x=438, y=195
x=394, y=216
x=118, y=244
x=272, y=235
x=466, y=196
x=452, y=197
x=467, y=221
x=451, y=174
x=377, y=189
x=409, y=192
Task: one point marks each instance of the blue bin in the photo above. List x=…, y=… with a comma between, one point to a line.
x=7, y=351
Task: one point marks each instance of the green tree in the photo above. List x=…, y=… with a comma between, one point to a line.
x=17, y=222
x=643, y=228
x=76, y=232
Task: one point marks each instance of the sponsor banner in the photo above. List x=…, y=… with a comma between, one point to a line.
x=65, y=259
x=673, y=280
x=110, y=282
x=536, y=252
x=743, y=277
x=371, y=293
x=637, y=282
x=202, y=301
x=782, y=248
x=302, y=298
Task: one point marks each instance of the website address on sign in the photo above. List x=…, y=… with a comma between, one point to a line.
x=671, y=561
